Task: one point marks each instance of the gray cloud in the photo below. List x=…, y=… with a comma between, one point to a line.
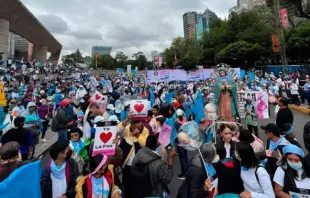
x=54, y=23
x=83, y=33
x=127, y=25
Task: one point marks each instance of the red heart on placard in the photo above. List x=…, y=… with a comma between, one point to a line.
x=212, y=192
x=139, y=107
x=97, y=97
x=105, y=137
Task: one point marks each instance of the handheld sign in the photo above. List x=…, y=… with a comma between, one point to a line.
x=138, y=109
x=97, y=97
x=104, y=140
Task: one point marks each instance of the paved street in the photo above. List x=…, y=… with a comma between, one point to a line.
x=299, y=121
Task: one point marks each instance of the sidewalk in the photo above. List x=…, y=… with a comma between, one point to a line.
x=41, y=147
x=303, y=108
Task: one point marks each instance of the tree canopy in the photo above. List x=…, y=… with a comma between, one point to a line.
x=241, y=40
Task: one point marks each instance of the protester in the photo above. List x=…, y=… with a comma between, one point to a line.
x=284, y=114
x=251, y=117
x=134, y=139
x=151, y=175
x=275, y=142
x=32, y=124
x=9, y=159
x=306, y=136
x=293, y=173
x=226, y=141
x=294, y=92
x=228, y=172
x=256, y=180
x=20, y=135
x=61, y=121
x=61, y=172
x=77, y=144
x=255, y=142
x=45, y=113
x=100, y=182
x=197, y=184
x=290, y=134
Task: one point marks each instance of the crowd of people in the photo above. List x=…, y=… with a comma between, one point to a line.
x=143, y=164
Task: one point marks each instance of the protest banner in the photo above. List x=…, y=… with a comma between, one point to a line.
x=104, y=137
x=195, y=76
x=298, y=192
x=259, y=100
x=138, y=109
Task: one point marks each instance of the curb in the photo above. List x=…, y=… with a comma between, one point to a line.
x=300, y=109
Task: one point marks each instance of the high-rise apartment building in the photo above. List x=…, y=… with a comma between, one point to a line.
x=203, y=23
x=189, y=24
x=246, y=5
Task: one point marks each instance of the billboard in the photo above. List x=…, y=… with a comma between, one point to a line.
x=275, y=43
x=30, y=50
x=284, y=18
x=158, y=60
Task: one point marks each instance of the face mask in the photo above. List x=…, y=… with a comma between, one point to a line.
x=296, y=167
x=216, y=159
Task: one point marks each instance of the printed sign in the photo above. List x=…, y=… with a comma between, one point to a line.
x=129, y=69
x=259, y=100
x=97, y=97
x=196, y=75
x=104, y=140
x=298, y=192
x=138, y=109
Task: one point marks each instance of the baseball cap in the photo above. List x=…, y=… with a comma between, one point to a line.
x=179, y=112
x=9, y=150
x=272, y=128
x=64, y=103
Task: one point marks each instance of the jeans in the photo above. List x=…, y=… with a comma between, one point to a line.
x=45, y=125
x=62, y=135
x=183, y=159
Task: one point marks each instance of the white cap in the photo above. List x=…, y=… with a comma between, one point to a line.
x=111, y=107
x=98, y=119
x=180, y=112
x=113, y=118
x=127, y=103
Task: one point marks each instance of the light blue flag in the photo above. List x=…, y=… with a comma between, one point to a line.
x=23, y=182
x=120, y=70
x=174, y=133
x=133, y=72
x=198, y=108
x=251, y=76
x=168, y=97
x=152, y=97
x=242, y=73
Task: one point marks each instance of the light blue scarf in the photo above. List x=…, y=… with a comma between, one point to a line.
x=58, y=171
x=274, y=145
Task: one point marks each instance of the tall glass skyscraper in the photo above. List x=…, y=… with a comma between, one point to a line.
x=204, y=22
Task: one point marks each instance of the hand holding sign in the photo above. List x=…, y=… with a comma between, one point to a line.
x=97, y=97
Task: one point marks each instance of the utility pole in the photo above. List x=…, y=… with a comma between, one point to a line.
x=280, y=32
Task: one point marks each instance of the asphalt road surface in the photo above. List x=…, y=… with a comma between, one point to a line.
x=300, y=120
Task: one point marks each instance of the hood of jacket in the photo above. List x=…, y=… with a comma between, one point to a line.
x=197, y=161
x=145, y=156
x=31, y=104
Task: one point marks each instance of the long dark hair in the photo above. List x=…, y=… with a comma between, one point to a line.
x=294, y=173
x=247, y=155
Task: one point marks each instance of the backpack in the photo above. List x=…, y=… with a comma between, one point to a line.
x=256, y=175
x=142, y=186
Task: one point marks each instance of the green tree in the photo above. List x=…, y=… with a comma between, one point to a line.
x=298, y=43
x=106, y=62
x=76, y=57
x=240, y=53
x=121, y=58
x=140, y=60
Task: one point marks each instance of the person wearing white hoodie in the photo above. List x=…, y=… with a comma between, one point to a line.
x=80, y=93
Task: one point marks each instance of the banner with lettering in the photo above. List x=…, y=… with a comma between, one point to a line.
x=196, y=75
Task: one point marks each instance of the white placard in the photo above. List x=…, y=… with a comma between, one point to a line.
x=104, y=137
x=128, y=69
x=138, y=109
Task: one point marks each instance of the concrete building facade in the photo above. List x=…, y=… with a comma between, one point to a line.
x=189, y=24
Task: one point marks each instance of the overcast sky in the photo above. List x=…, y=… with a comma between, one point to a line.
x=126, y=25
